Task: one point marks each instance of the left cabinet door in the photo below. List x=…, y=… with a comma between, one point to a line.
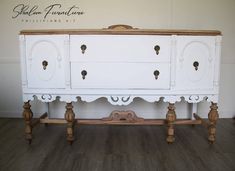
x=45, y=59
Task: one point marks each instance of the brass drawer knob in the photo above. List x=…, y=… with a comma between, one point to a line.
x=196, y=65
x=84, y=73
x=157, y=49
x=156, y=73
x=44, y=64
x=83, y=48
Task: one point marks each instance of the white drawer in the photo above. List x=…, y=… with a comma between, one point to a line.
x=122, y=48
x=120, y=75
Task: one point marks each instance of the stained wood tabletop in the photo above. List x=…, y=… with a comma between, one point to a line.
x=122, y=32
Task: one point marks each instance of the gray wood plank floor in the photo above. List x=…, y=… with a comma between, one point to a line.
x=116, y=148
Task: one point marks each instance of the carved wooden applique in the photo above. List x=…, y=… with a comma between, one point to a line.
x=123, y=116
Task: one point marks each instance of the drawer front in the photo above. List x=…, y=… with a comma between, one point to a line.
x=122, y=48
x=120, y=75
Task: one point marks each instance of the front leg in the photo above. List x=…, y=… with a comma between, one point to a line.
x=28, y=115
x=170, y=118
x=212, y=116
x=70, y=118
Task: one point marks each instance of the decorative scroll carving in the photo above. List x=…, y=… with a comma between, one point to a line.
x=46, y=97
x=120, y=27
x=181, y=59
x=120, y=100
x=123, y=116
x=59, y=58
x=172, y=99
x=114, y=99
x=125, y=99
x=31, y=57
x=194, y=98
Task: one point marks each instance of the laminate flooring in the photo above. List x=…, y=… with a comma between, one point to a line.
x=116, y=148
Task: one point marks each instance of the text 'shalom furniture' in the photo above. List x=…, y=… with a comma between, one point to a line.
x=121, y=63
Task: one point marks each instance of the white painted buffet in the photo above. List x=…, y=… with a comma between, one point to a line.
x=120, y=63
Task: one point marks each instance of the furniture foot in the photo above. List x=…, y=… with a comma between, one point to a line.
x=212, y=116
x=28, y=115
x=70, y=118
x=170, y=118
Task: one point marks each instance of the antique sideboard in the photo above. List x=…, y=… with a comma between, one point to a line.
x=121, y=63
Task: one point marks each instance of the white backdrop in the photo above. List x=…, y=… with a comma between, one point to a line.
x=156, y=14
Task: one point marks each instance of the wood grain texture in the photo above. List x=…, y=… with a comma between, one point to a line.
x=170, y=119
x=122, y=32
x=28, y=115
x=102, y=122
x=116, y=148
x=128, y=116
x=213, y=117
x=70, y=118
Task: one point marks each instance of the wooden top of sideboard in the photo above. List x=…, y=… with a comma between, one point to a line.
x=121, y=32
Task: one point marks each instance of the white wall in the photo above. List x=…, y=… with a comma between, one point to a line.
x=175, y=14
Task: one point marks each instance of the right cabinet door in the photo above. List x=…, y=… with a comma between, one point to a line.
x=195, y=62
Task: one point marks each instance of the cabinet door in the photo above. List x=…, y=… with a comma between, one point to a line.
x=195, y=62
x=45, y=61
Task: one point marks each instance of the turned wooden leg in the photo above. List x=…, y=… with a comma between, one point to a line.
x=70, y=118
x=170, y=118
x=28, y=115
x=212, y=116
